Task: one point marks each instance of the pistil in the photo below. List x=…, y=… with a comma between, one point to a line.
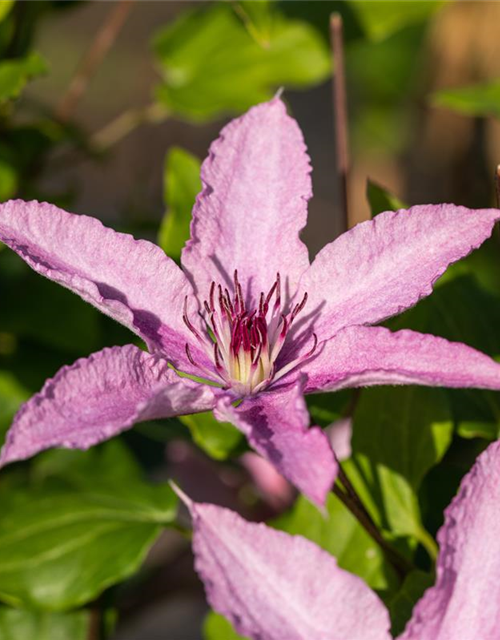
x=244, y=345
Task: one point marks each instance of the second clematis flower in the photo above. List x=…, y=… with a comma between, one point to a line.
x=247, y=319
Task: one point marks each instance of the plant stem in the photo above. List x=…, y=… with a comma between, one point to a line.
x=340, y=115
x=401, y=564
x=92, y=58
x=497, y=184
x=125, y=123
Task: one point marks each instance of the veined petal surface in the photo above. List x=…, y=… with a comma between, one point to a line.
x=464, y=604
x=365, y=356
x=248, y=217
x=274, y=586
x=276, y=424
x=98, y=397
x=385, y=265
x=131, y=280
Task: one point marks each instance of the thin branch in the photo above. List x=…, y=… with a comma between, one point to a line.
x=497, y=184
x=125, y=123
x=340, y=114
x=92, y=58
x=401, y=564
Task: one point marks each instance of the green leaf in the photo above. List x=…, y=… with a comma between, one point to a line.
x=380, y=199
x=64, y=540
x=340, y=534
x=401, y=605
x=14, y=74
x=5, y=7
x=216, y=627
x=19, y=624
x=12, y=394
x=8, y=181
x=381, y=19
x=218, y=439
x=475, y=100
x=182, y=185
x=35, y=308
x=325, y=408
x=399, y=433
x=452, y=312
x=211, y=65
x=257, y=16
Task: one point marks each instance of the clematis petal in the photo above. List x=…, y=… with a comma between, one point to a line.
x=465, y=601
x=275, y=586
x=385, y=265
x=276, y=425
x=131, y=280
x=364, y=356
x=98, y=397
x=256, y=185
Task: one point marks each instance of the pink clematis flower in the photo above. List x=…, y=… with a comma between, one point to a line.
x=274, y=586
x=247, y=312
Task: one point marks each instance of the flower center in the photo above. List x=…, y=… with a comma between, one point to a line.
x=244, y=344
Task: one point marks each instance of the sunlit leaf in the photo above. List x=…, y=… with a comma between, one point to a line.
x=216, y=627
x=64, y=540
x=382, y=18
x=12, y=394
x=380, y=199
x=5, y=7
x=476, y=100
x=257, y=16
x=218, y=439
x=14, y=74
x=212, y=66
x=181, y=186
x=399, y=433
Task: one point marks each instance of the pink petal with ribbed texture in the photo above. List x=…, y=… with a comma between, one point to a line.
x=364, y=356
x=274, y=586
x=256, y=185
x=464, y=604
x=98, y=397
x=276, y=424
x=131, y=280
x=385, y=265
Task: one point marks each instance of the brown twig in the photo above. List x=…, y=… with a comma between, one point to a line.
x=401, y=565
x=497, y=185
x=92, y=58
x=340, y=114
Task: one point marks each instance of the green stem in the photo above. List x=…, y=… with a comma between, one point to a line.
x=401, y=564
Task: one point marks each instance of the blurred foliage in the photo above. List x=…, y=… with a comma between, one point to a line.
x=201, y=81
x=384, y=18
x=16, y=624
x=182, y=185
x=477, y=100
x=381, y=200
x=216, y=627
x=401, y=605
